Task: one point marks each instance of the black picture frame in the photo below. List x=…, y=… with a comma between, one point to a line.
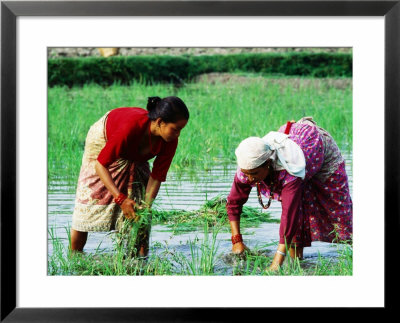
x=10, y=10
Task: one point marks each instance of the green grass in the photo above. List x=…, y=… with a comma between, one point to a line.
x=221, y=115
x=212, y=213
x=202, y=256
x=202, y=259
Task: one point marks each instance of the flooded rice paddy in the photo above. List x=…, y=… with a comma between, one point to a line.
x=188, y=192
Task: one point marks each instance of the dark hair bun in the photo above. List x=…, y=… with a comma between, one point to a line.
x=169, y=109
x=152, y=102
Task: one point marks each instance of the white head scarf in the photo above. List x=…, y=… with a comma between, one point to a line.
x=254, y=151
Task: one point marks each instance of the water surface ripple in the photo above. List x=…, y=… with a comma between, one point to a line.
x=182, y=192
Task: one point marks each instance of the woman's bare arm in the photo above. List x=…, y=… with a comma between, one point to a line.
x=127, y=205
x=153, y=186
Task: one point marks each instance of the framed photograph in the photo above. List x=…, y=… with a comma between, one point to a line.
x=31, y=29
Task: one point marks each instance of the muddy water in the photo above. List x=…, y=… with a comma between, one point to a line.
x=187, y=193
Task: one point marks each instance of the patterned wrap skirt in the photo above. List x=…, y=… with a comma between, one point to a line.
x=95, y=209
x=327, y=205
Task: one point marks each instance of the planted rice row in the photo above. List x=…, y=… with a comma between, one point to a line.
x=221, y=115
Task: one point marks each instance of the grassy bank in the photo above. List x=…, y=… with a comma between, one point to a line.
x=222, y=113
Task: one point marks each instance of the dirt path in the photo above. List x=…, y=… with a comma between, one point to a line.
x=128, y=51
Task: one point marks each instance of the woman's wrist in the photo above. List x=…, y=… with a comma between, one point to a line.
x=236, y=238
x=120, y=199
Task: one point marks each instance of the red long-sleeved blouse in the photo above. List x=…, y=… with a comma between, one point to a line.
x=290, y=196
x=291, y=202
x=124, y=129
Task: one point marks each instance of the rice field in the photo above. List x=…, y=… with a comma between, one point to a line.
x=203, y=259
x=222, y=113
x=202, y=255
x=224, y=109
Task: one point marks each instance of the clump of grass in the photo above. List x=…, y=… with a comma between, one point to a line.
x=203, y=259
x=341, y=266
x=250, y=263
x=212, y=212
x=133, y=232
x=58, y=263
x=123, y=262
x=257, y=262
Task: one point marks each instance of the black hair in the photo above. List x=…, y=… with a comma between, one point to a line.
x=169, y=109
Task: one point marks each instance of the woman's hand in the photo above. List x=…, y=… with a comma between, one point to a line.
x=239, y=247
x=128, y=209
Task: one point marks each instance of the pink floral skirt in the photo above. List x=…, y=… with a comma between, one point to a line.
x=327, y=210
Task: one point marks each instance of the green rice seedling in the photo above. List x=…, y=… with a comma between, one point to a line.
x=212, y=212
x=221, y=115
x=157, y=265
x=201, y=258
x=345, y=261
x=132, y=232
x=58, y=262
x=250, y=264
x=292, y=267
x=64, y=262
x=323, y=267
x=252, y=261
x=340, y=266
x=202, y=261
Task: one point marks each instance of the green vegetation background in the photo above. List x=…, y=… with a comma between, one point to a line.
x=224, y=108
x=183, y=68
x=221, y=115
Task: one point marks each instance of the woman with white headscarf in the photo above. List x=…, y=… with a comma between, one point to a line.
x=302, y=167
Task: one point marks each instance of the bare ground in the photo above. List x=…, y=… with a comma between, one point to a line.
x=295, y=82
x=129, y=51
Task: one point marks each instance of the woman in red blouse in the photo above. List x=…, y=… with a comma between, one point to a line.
x=301, y=167
x=115, y=177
